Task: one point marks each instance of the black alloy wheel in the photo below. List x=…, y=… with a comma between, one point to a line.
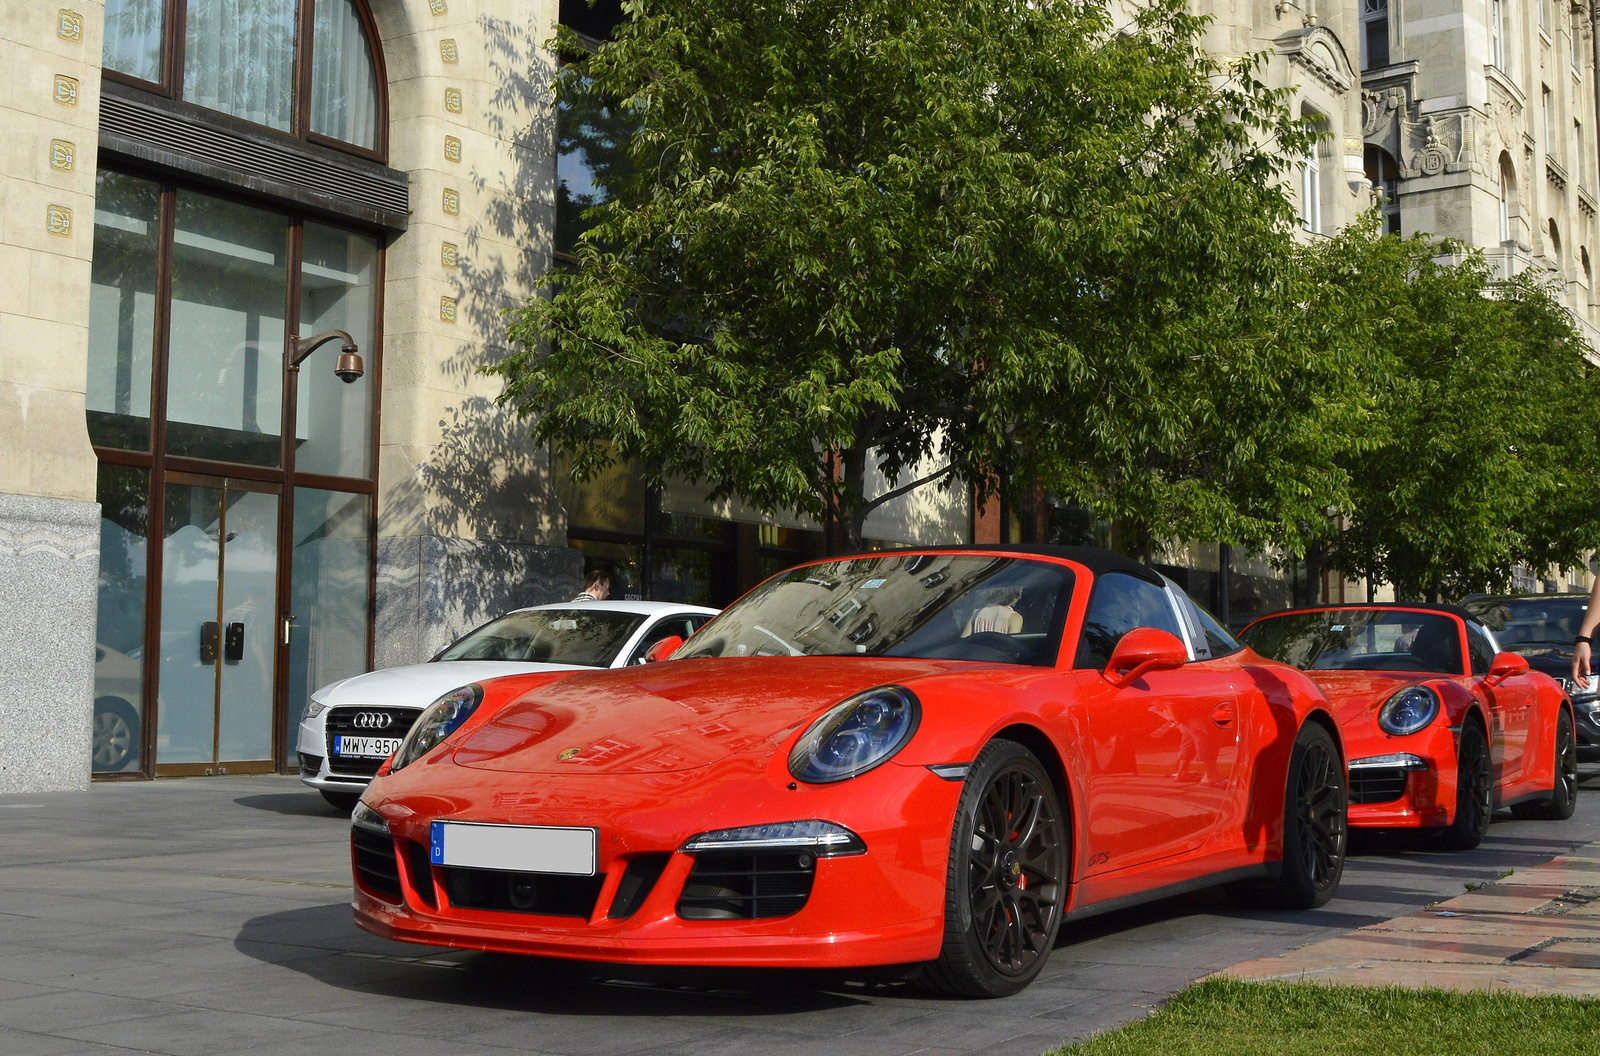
x=1563, y=798
x=1315, y=822
x=1007, y=879
x=1474, y=791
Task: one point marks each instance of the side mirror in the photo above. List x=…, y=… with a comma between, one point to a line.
x=1144, y=649
x=662, y=649
x=1507, y=665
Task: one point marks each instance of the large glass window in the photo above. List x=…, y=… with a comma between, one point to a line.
x=592, y=136
x=225, y=354
x=135, y=31
x=122, y=310
x=338, y=291
x=330, y=597
x=256, y=60
x=124, y=496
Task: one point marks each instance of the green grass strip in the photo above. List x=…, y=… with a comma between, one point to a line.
x=1225, y=1017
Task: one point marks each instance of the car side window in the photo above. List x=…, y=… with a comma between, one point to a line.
x=1480, y=649
x=1119, y=604
x=682, y=626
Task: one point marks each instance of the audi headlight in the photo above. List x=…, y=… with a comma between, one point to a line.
x=1585, y=692
x=1408, y=711
x=856, y=735
x=443, y=717
x=315, y=708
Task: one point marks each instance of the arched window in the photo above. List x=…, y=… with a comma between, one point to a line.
x=1384, y=174
x=1508, y=193
x=304, y=67
x=1555, y=246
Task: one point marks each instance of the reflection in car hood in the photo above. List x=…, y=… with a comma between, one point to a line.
x=421, y=684
x=671, y=717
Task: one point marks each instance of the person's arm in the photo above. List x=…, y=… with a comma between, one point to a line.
x=1581, y=651
x=1014, y=623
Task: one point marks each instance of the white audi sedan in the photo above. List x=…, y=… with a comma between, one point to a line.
x=351, y=727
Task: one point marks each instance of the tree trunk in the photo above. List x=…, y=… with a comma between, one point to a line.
x=851, y=490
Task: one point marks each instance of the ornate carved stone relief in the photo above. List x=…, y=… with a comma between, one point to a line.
x=1436, y=145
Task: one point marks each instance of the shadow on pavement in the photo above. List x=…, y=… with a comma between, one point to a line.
x=293, y=804
x=323, y=943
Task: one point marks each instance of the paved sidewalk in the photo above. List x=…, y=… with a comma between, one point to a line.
x=211, y=915
x=1536, y=931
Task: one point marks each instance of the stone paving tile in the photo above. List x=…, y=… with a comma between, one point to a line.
x=1524, y=933
x=194, y=1032
x=26, y=1043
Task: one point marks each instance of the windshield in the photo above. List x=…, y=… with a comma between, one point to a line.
x=926, y=606
x=584, y=636
x=1532, y=625
x=1360, y=640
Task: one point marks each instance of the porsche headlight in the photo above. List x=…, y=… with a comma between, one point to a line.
x=443, y=717
x=856, y=735
x=1408, y=711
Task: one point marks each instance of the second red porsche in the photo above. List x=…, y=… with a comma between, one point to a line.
x=920, y=758
x=1440, y=725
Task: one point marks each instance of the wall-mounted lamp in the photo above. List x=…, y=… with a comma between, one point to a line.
x=349, y=366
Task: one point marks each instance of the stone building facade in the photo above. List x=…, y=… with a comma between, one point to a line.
x=194, y=534
x=1479, y=122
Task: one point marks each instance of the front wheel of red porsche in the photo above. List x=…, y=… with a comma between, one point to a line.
x=1007, y=879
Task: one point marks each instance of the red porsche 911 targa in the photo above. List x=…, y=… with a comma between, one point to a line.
x=1441, y=726
x=926, y=758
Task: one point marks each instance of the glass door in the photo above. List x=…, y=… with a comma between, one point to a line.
x=219, y=588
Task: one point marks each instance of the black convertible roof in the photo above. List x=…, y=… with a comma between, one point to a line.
x=1422, y=606
x=1093, y=558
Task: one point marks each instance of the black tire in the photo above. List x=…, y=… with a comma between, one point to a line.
x=1564, y=796
x=342, y=801
x=1007, y=878
x=116, y=734
x=1474, y=789
x=1315, y=828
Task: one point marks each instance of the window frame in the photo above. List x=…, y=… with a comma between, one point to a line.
x=1082, y=660
x=174, y=39
x=1370, y=14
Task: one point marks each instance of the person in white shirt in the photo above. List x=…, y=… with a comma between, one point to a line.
x=997, y=616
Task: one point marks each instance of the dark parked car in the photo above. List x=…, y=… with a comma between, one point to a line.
x=1541, y=627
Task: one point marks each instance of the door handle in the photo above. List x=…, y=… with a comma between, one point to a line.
x=288, y=625
x=233, y=643
x=209, y=633
x=1222, y=714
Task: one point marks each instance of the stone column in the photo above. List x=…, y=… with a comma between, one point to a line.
x=468, y=524
x=49, y=521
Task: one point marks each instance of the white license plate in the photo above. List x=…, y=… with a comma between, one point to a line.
x=366, y=747
x=514, y=848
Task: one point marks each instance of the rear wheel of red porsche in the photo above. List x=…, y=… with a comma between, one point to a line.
x=1007, y=879
x=1564, y=795
x=1315, y=828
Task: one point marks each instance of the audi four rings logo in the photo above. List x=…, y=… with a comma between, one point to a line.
x=372, y=720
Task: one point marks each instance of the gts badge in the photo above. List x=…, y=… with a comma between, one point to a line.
x=568, y=754
x=1099, y=859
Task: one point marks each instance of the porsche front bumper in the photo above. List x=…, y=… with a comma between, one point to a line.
x=648, y=901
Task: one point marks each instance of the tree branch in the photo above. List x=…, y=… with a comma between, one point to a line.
x=895, y=493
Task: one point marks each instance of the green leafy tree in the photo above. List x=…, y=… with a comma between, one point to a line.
x=993, y=240
x=1477, y=453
